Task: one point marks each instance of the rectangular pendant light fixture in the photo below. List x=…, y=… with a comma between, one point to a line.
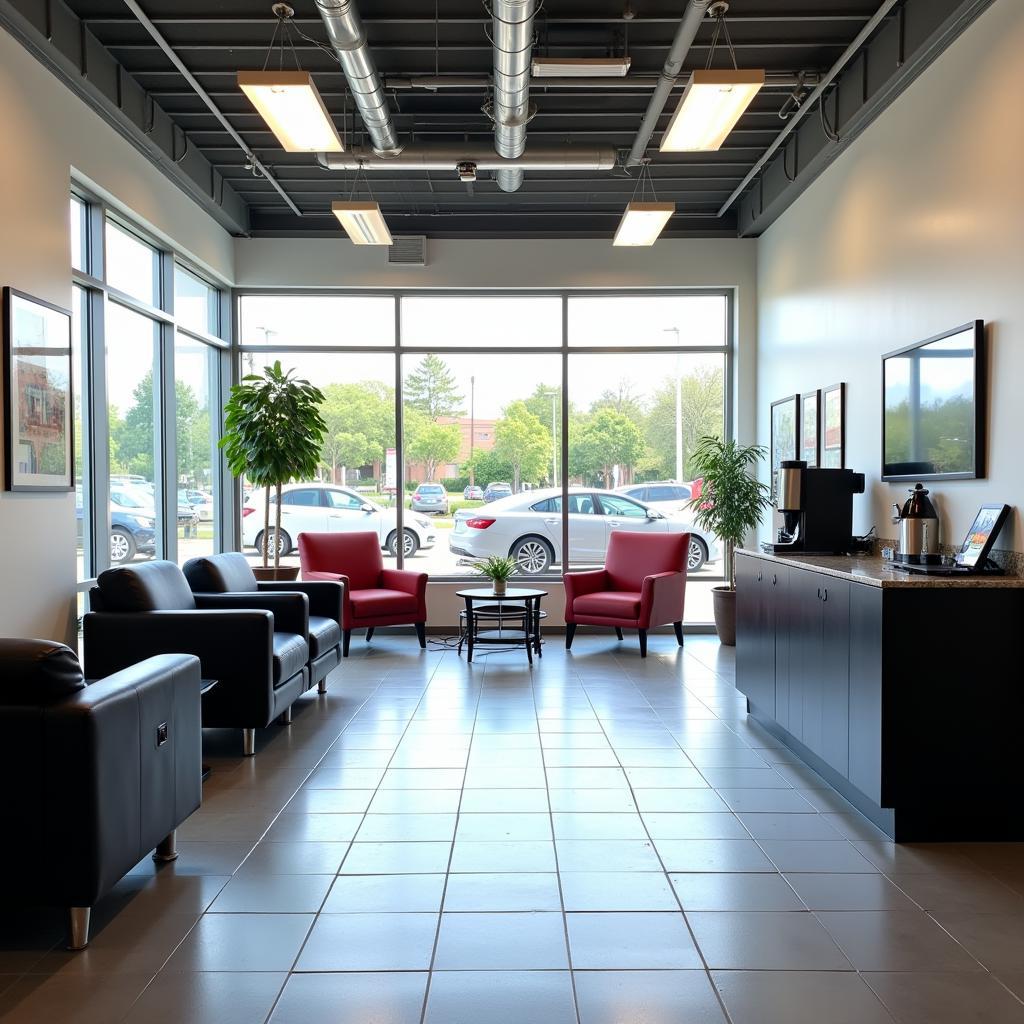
x=294, y=111
x=642, y=223
x=580, y=67
x=363, y=222
x=710, y=106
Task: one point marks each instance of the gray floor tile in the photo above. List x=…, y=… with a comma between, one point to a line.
x=771, y=801
x=666, y=778
x=404, y=828
x=606, y=855
x=314, y=828
x=617, y=890
x=602, y=825
x=514, y=941
x=735, y=891
x=70, y=999
x=712, y=855
x=369, y=942
x=500, y=997
x=820, y=855
x=352, y=998
x=504, y=892
x=382, y=894
x=646, y=997
x=242, y=942
x=964, y=892
x=798, y=827
x=294, y=859
x=272, y=894
x=680, y=800
x=415, y=801
x=504, y=801
x=668, y=825
x=799, y=997
x=766, y=941
x=504, y=827
x=848, y=892
x=514, y=855
x=396, y=858
x=745, y=778
x=624, y=941
x=945, y=998
x=997, y=940
x=330, y=801
x=207, y=998
x=586, y=801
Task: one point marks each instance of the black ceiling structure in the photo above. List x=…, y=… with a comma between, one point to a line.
x=105, y=52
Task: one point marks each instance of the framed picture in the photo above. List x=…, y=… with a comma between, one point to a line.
x=833, y=427
x=38, y=452
x=785, y=432
x=810, y=415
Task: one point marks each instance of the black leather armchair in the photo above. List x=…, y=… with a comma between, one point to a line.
x=254, y=645
x=230, y=573
x=95, y=776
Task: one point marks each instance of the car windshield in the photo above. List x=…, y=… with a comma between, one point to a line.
x=126, y=499
x=431, y=489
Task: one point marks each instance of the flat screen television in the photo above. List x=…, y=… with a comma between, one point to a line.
x=933, y=407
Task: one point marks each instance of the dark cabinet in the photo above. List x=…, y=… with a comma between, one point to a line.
x=759, y=646
x=866, y=691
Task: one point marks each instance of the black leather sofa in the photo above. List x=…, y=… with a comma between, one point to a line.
x=95, y=776
x=254, y=645
x=231, y=573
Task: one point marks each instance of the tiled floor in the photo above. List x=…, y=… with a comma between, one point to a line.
x=604, y=840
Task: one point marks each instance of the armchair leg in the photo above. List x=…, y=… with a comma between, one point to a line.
x=321, y=687
x=78, y=927
x=643, y=642
x=618, y=632
x=421, y=634
x=248, y=742
x=678, y=626
x=167, y=850
x=346, y=639
x=369, y=633
x=285, y=718
x=570, y=632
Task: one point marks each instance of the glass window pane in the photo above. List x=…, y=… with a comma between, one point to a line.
x=79, y=235
x=132, y=265
x=79, y=348
x=623, y=321
x=349, y=320
x=196, y=304
x=195, y=393
x=481, y=321
x=131, y=347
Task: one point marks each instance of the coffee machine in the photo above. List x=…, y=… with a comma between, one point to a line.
x=816, y=507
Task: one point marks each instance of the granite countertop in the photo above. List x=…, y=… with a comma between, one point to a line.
x=875, y=572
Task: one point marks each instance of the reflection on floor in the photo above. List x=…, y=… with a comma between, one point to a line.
x=603, y=840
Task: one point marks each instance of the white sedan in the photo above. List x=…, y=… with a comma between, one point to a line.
x=327, y=508
x=528, y=527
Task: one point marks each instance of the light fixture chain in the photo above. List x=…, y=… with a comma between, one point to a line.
x=728, y=42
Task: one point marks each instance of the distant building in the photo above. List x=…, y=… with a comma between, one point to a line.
x=480, y=430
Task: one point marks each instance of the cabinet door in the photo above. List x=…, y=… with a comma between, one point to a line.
x=835, y=673
x=755, y=651
x=866, y=690
x=779, y=598
x=805, y=692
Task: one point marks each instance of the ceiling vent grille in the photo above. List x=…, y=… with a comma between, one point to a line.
x=408, y=251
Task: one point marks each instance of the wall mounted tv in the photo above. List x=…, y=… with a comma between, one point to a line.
x=933, y=407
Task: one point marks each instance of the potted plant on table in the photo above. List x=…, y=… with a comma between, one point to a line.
x=732, y=503
x=499, y=569
x=273, y=433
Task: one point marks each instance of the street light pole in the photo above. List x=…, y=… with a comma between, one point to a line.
x=679, y=407
x=553, y=395
x=472, y=428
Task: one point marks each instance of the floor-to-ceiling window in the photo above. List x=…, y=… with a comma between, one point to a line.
x=465, y=416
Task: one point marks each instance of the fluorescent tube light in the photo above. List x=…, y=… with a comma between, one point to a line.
x=642, y=223
x=293, y=109
x=580, y=67
x=364, y=222
x=710, y=106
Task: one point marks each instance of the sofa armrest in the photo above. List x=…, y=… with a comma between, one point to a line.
x=407, y=581
x=579, y=583
x=325, y=597
x=661, y=599
x=291, y=609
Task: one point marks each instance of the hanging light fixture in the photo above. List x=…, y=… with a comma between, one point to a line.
x=643, y=221
x=713, y=100
x=289, y=101
x=362, y=220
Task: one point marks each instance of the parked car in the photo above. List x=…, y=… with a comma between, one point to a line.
x=327, y=508
x=496, y=491
x=529, y=528
x=200, y=501
x=134, y=496
x=430, y=498
x=474, y=492
x=665, y=495
x=131, y=531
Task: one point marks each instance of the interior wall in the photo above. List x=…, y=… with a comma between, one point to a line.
x=917, y=228
x=51, y=136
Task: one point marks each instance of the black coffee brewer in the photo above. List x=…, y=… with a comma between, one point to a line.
x=816, y=507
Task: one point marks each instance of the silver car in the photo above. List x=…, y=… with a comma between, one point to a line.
x=528, y=527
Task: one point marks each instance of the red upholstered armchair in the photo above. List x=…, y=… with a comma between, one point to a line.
x=643, y=584
x=374, y=596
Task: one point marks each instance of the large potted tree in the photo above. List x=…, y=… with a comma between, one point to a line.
x=273, y=433
x=731, y=504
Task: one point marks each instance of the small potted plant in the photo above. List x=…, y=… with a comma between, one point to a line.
x=273, y=433
x=731, y=504
x=499, y=569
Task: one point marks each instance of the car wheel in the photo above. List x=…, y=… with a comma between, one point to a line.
x=532, y=555
x=697, y=556
x=122, y=546
x=412, y=544
x=284, y=543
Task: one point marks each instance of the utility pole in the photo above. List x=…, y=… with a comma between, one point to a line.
x=472, y=429
x=679, y=406
x=553, y=395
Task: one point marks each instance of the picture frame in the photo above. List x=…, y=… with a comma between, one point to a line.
x=38, y=441
x=833, y=427
x=785, y=432
x=810, y=435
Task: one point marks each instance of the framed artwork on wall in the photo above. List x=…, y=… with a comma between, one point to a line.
x=810, y=415
x=38, y=452
x=785, y=439
x=833, y=427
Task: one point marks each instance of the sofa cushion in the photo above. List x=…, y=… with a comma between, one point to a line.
x=323, y=635
x=609, y=604
x=37, y=672
x=290, y=654
x=220, y=574
x=367, y=604
x=147, y=587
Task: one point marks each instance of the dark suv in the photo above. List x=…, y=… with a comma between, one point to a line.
x=497, y=490
x=130, y=534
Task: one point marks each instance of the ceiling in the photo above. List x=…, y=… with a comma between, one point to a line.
x=451, y=37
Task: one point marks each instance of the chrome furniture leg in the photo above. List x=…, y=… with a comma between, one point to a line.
x=78, y=926
x=285, y=718
x=248, y=742
x=167, y=850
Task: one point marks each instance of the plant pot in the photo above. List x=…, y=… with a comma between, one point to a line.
x=282, y=574
x=725, y=614
x=500, y=587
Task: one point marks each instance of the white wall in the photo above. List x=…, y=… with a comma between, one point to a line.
x=917, y=228
x=50, y=136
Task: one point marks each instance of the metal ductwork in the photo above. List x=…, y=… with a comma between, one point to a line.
x=447, y=157
x=512, y=34
x=685, y=34
x=348, y=38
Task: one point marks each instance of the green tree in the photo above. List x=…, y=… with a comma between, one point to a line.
x=604, y=440
x=540, y=404
x=431, y=389
x=703, y=404
x=621, y=399
x=489, y=467
x=520, y=439
x=360, y=420
x=430, y=443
